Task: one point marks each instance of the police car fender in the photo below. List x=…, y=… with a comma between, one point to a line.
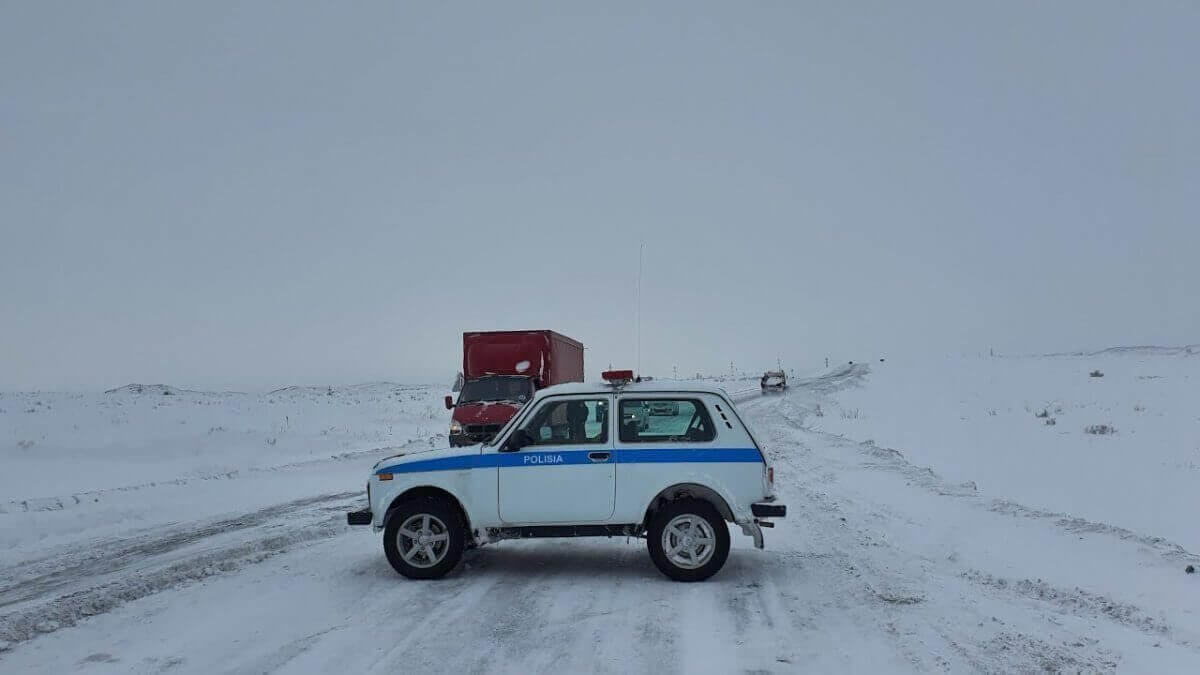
x=452, y=470
x=735, y=487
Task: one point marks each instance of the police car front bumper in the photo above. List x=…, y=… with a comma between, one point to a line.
x=363, y=517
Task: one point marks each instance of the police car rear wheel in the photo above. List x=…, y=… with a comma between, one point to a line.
x=688, y=540
x=424, y=539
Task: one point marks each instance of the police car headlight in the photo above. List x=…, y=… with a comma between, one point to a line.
x=455, y=427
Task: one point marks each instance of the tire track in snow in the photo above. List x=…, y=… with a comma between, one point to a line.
x=889, y=459
x=1080, y=602
x=1077, y=602
x=928, y=607
x=535, y=606
x=32, y=578
x=55, y=592
x=1075, y=525
x=63, y=502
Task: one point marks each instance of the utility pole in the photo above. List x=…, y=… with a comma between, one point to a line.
x=675, y=370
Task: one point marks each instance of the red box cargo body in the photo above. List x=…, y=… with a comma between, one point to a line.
x=501, y=370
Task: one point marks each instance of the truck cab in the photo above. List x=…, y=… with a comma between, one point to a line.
x=501, y=372
x=575, y=462
x=485, y=404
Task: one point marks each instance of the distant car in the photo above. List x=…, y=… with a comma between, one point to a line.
x=773, y=380
x=664, y=407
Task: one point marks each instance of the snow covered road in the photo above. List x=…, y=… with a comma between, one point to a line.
x=881, y=566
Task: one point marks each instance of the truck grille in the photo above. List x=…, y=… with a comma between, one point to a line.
x=481, y=429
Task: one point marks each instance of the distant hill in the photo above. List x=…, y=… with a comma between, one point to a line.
x=1146, y=350
x=151, y=389
x=365, y=388
x=163, y=390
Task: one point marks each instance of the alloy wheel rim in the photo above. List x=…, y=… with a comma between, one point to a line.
x=689, y=541
x=423, y=540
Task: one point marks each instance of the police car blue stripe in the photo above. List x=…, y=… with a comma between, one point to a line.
x=440, y=464
x=565, y=457
x=689, y=455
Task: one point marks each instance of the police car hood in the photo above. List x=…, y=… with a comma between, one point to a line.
x=423, y=455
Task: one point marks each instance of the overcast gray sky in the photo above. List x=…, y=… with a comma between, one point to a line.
x=250, y=194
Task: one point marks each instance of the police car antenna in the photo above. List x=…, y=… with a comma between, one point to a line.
x=641, y=248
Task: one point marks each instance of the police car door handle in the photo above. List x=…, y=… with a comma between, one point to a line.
x=599, y=456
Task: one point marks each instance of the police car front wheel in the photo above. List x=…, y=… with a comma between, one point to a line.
x=688, y=540
x=423, y=539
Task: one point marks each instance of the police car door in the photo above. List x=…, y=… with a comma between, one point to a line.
x=566, y=473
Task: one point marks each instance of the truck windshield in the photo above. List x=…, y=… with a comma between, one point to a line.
x=513, y=389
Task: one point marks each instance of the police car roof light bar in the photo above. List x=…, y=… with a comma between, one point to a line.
x=617, y=377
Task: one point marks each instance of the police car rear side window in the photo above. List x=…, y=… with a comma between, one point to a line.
x=664, y=420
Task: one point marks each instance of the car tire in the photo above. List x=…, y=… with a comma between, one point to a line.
x=431, y=526
x=691, y=561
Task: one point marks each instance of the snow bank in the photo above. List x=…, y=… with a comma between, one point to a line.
x=1019, y=427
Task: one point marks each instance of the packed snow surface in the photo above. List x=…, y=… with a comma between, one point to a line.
x=936, y=522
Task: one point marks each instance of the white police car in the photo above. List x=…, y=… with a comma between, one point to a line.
x=566, y=466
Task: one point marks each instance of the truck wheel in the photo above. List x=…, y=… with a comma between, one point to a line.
x=424, y=538
x=688, y=540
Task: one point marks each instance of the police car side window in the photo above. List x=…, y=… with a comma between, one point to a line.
x=657, y=420
x=570, y=423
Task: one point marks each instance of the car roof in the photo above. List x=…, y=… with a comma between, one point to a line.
x=648, y=387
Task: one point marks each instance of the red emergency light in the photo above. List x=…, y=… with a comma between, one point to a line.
x=617, y=376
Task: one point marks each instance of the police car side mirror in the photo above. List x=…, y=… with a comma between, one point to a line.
x=517, y=440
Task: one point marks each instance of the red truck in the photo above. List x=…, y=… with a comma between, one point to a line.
x=501, y=370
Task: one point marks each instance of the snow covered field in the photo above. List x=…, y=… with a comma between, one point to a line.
x=935, y=523
x=1018, y=428
x=85, y=465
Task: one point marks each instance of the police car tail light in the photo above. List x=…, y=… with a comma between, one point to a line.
x=617, y=376
x=771, y=476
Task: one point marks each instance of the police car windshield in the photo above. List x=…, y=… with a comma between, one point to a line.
x=497, y=388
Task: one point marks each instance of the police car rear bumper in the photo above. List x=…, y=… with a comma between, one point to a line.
x=766, y=510
x=363, y=517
